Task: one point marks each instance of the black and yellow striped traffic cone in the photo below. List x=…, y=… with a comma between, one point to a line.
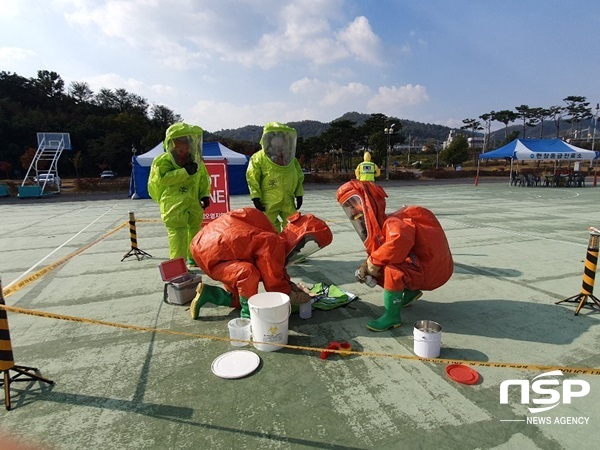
x=589, y=274
x=7, y=361
x=135, y=251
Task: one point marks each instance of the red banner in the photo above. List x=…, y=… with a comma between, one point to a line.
x=219, y=184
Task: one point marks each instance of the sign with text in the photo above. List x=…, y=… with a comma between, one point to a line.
x=219, y=186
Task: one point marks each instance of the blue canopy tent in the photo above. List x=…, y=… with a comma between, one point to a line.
x=236, y=168
x=539, y=150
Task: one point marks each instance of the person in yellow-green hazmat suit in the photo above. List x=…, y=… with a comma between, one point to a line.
x=367, y=170
x=180, y=184
x=274, y=175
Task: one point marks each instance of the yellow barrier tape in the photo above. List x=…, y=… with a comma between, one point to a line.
x=501, y=365
x=24, y=282
x=40, y=273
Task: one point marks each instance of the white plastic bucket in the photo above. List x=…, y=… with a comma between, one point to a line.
x=239, y=329
x=269, y=317
x=428, y=338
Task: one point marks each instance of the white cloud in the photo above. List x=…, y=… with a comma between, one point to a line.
x=210, y=115
x=359, y=38
x=398, y=98
x=183, y=34
x=329, y=94
x=8, y=55
x=166, y=30
x=115, y=81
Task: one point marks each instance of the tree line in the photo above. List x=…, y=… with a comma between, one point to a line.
x=108, y=126
x=104, y=127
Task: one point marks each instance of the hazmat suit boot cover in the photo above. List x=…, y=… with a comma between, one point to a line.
x=409, y=296
x=245, y=312
x=391, y=316
x=206, y=293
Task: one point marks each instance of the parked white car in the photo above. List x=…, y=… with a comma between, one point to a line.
x=108, y=174
x=50, y=177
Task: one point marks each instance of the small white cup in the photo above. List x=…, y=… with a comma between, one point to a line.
x=306, y=310
x=239, y=329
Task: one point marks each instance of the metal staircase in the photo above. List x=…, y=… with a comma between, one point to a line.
x=42, y=176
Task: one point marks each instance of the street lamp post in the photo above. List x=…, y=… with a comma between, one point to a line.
x=594, y=143
x=389, y=131
x=595, y=124
x=409, y=144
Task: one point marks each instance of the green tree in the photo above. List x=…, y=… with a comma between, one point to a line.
x=528, y=116
x=80, y=92
x=505, y=116
x=5, y=167
x=77, y=162
x=307, y=149
x=377, y=139
x=578, y=109
x=49, y=83
x=342, y=136
x=487, y=119
x=474, y=125
x=457, y=152
x=556, y=113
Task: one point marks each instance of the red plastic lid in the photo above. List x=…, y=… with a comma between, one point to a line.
x=462, y=374
x=172, y=269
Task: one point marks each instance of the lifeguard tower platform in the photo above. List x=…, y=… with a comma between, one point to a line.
x=42, y=176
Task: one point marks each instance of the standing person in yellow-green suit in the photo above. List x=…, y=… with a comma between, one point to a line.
x=367, y=170
x=180, y=184
x=274, y=175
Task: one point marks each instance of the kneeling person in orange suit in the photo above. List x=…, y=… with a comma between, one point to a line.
x=407, y=250
x=242, y=248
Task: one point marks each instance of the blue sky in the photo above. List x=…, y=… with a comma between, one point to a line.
x=229, y=63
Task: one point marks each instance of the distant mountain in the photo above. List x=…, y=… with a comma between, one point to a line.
x=311, y=128
x=566, y=130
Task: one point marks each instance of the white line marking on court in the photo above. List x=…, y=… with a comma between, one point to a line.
x=516, y=233
x=58, y=248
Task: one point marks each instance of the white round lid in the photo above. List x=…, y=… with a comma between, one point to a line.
x=235, y=364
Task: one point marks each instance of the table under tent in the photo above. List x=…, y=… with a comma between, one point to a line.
x=539, y=150
x=236, y=168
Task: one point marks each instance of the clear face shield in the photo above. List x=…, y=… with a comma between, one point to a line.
x=185, y=149
x=280, y=147
x=353, y=208
x=306, y=247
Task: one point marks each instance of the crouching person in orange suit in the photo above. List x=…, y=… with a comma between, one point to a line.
x=407, y=250
x=242, y=248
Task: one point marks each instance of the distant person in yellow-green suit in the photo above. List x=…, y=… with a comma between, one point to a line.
x=367, y=170
x=274, y=175
x=180, y=184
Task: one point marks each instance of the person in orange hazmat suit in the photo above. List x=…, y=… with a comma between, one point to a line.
x=242, y=248
x=407, y=250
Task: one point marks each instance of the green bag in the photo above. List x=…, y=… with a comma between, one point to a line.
x=329, y=296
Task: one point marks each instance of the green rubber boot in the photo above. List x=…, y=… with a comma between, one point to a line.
x=245, y=313
x=409, y=296
x=206, y=293
x=391, y=316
